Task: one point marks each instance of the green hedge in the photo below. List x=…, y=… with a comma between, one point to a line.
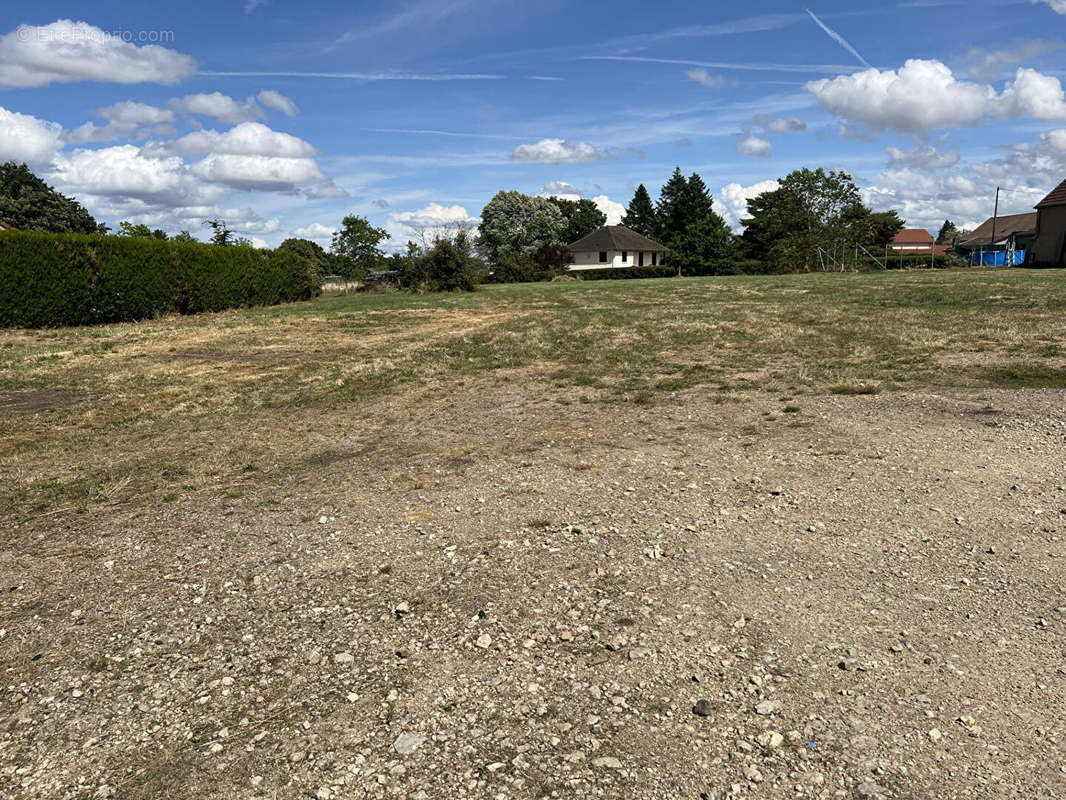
x=624, y=273
x=49, y=280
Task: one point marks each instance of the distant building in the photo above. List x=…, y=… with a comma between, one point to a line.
x=5, y=227
x=999, y=241
x=1050, y=243
x=615, y=247
x=913, y=240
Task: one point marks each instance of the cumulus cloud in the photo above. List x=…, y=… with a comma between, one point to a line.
x=125, y=120
x=560, y=189
x=926, y=95
x=784, y=125
x=558, y=151
x=278, y=102
x=246, y=139
x=425, y=223
x=217, y=105
x=755, y=147
x=731, y=202
x=255, y=173
x=612, y=210
x=316, y=232
x=124, y=171
x=67, y=51
x=1058, y=6
x=704, y=78
x=924, y=157
x=26, y=138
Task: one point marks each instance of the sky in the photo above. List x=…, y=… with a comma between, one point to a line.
x=283, y=117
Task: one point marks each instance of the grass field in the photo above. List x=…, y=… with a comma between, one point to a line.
x=159, y=409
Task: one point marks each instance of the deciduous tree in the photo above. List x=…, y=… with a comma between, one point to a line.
x=356, y=247
x=514, y=223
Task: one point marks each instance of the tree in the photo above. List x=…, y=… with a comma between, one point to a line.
x=515, y=223
x=222, y=235
x=312, y=251
x=126, y=228
x=883, y=227
x=356, y=247
x=706, y=247
x=582, y=218
x=811, y=209
x=445, y=266
x=30, y=204
x=184, y=236
x=554, y=257
x=640, y=215
x=948, y=232
x=670, y=210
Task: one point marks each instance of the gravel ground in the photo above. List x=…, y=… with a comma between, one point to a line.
x=498, y=596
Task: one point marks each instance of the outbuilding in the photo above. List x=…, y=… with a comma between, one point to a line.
x=1050, y=243
x=999, y=241
x=615, y=247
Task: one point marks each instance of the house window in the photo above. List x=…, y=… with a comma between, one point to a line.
x=640, y=259
x=625, y=256
x=603, y=256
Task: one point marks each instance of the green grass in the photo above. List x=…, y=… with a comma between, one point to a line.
x=162, y=407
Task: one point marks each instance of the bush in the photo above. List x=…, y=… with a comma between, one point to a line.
x=659, y=271
x=49, y=280
x=519, y=268
x=447, y=265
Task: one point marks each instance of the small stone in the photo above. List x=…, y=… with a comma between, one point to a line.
x=567, y=636
x=256, y=780
x=402, y=608
x=407, y=743
x=343, y=658
x=770, y=740
x=323, y=793
x=484, y=641
x=869, y=789
x=215, y=748
x=323, y=520
x=638, y=652
x=767, y=707
x=607, y=762
x=702, y=708
x=935, y=735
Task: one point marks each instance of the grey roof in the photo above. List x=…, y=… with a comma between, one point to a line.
x=615, y=237
x=1016, y=224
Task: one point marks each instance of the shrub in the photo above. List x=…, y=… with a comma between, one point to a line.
x=519, y=268
x=48, y=280
x=660, y=271
x=447, y=265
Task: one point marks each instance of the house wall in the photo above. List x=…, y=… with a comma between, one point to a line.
x=908, y=247
x=1051, y=226
x=591, y=260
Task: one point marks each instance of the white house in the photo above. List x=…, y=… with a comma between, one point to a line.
x=615, y=247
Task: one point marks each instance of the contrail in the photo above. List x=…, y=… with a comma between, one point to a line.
x=836, y=37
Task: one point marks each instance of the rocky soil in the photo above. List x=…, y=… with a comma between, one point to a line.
x=492, y=595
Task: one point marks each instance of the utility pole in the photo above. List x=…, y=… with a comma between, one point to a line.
x=995, y=219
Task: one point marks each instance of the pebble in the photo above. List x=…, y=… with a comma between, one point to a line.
x=407, y=743
x=702, y=708
x=767, y=707
x=343, y=658
x=935, y=735
x=607, y=762
x=484, y=641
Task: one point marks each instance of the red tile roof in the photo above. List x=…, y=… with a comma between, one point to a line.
x=1056, y=198
x=6, y=227
x=913, y=236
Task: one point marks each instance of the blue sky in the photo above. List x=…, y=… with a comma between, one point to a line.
x=282, y=117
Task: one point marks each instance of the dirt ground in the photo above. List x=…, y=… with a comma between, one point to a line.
x=495, y=595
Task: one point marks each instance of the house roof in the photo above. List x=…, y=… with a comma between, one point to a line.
x=4, y=226
x=615, y=237
x=1056, y=198
x=913, y=236
x=1006, y=226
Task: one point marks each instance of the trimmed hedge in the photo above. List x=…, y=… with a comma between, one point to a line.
x=49, y=280
x=625, y=273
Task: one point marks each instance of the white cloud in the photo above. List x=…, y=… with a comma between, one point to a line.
x=427, y=222
x=784, y=125
x=316, y=232
x=256, y=173
x=612, y=210
x=924, y=157
x=986, y=63
x=704, y=78
x=125, y=120
x=557, y=151
x=1056, y=139
x=124, y=171
x=278, y=102
x=26, y=138
x=246, y=139
x=731, y=202
x=218, y=105
x=561, y=189
x=252, y=5
x=755, y=147
x=1058, y=6
x=65, y=51
x=925, y=95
